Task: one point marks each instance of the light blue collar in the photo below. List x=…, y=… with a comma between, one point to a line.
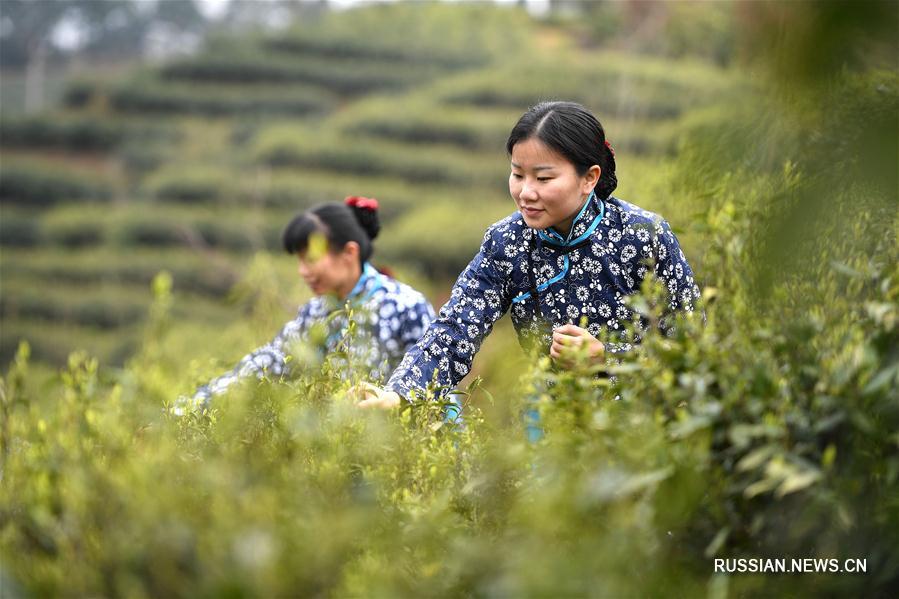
x=591, y=212
x=369, y=281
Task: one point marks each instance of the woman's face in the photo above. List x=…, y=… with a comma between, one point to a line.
x=330, y=272
x=546, y=187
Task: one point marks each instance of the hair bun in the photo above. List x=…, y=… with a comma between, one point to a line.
x=362, y=202
x=366, y=212
x=611, y=149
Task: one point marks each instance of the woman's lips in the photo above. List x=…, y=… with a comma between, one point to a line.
x=530, y=211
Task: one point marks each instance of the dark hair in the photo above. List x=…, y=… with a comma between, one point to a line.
x=572, y=131
x=339, y=223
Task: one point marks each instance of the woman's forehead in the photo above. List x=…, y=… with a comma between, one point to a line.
x=534, y=154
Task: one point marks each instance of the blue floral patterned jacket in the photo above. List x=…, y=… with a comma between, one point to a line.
x=389, y=317
x=548, y=280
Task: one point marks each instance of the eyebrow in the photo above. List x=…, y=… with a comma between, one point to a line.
x=536, y=168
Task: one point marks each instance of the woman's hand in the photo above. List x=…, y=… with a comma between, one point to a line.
x=568, y=339
x=372, y=396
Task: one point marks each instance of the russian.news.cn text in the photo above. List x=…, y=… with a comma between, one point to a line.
x=808, y=565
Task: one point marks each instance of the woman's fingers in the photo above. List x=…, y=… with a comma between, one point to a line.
x=559, y=351
x=554, y=351
x=384, y=400
x=368, y=403
x=364, y=391
x=372, y=396
x=571, y=330
x=567, y=340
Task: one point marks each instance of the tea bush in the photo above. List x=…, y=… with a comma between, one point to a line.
x=52, y=343
x=427, y=33
x=143, y=224
x=37, y=184
x=297, y=147
x=147, y=95
x=19, y=231
x=433, y=240
x=188, y=184
x=80, y=133
x=191, y=272
x=416, y=121
x=87, y=134
x=344, y=78
x=619, y=85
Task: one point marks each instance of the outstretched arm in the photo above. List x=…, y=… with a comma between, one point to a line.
x=270, y=359
x=444, y=353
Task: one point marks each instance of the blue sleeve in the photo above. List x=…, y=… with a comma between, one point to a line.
x=269, y=360
x=444, y=353
x=672, y=269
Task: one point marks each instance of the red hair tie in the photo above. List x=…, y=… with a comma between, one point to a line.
x=362, y=202
x=611, y=150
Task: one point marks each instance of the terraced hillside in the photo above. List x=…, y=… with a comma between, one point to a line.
x=195, y=166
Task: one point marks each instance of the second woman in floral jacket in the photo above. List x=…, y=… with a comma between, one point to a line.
x=333, y=245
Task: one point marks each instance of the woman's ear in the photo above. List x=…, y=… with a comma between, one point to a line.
x=351, y=251
x=591, y=178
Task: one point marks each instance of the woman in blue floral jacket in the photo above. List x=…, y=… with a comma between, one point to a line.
x=333, y=243
x=570, y=254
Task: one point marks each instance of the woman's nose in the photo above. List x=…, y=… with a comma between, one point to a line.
x=527, y=192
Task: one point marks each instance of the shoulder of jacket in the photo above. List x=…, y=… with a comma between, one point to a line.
x=398, y=291
x=631, y=214
x=313, y=306
x=500, y=231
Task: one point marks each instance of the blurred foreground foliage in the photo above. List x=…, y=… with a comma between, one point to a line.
x=764, y=426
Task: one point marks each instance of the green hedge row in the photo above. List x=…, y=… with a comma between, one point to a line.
x=193, y=273
x=288, y=190
x=44, y=184
x=435, y=240
x=341, y=77
x=142, y=96
x=448, y=36
x=52, y=343
x=190, y=183
x=610, y=84
x=142, y=226
x=102, y=305
x=19, y=231
x=80, y=93
x=297, y=189
x=368, y=49
x=79, y=133
x=100, y=312
x=164, y=233
x=422, y=120
x=296, y=147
